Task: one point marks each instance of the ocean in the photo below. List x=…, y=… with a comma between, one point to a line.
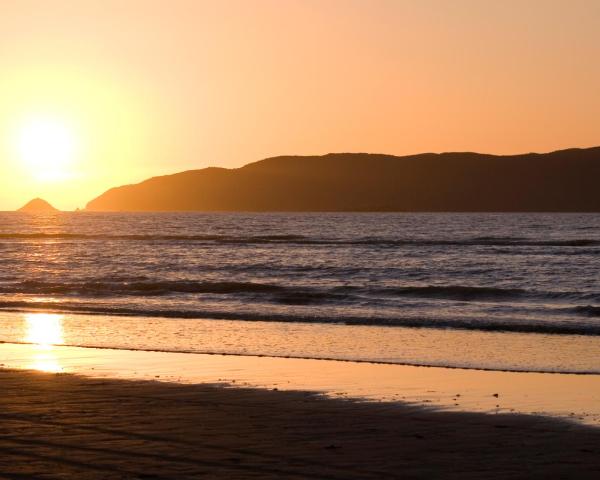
x=451, y=289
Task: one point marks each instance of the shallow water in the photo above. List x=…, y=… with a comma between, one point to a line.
x=376, y=344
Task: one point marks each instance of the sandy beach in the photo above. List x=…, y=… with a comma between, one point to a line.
x=67, y=426
x=101, y=413
x=566, y=396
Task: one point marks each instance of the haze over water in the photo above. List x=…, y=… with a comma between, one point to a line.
x=534, y=275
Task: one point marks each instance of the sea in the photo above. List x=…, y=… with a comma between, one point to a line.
x=497, y=291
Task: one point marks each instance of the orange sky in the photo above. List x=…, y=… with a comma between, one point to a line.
x=151, y=87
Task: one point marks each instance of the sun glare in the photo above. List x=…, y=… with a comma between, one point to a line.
x=47, y=147
x=44, y=331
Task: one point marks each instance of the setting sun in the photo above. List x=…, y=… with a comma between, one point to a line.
x=47, y=146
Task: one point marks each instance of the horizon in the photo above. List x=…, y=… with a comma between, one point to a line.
x=96, y=97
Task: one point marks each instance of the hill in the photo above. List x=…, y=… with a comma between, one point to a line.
x=565, y=180
x=37, y=205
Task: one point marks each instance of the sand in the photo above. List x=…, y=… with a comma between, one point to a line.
x=68, y=426
x=576, y=397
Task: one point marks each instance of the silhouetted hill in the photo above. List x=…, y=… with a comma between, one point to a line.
x=37, y=205
x=565, y=180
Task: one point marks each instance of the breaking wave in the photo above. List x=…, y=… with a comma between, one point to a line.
x=301, y=239
x=479, y=324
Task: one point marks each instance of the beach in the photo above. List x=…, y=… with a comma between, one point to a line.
x=338, y=346
x=72, y=412
x=68, y=426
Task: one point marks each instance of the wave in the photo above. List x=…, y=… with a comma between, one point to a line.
x=588, y=310
x=301, y=239
x=137, y=288
x=564, y=252
x=456, y=292
x=477, y=324
x=151, y=237
x=142, y=286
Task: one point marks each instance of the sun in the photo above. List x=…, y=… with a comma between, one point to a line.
x=46, y=146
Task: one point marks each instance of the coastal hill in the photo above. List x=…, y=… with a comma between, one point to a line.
x=565, y=180
x=37, y=205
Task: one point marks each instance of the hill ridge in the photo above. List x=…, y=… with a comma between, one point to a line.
x=562, y=180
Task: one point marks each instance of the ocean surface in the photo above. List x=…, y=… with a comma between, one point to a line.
x=519, y=277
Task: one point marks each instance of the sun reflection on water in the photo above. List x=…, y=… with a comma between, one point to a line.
x=44, y=331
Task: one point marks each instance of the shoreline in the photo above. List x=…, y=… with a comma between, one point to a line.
x=560, y=329
x=443, y=348
x=568, y=396
x=296, y=357
x=77, y=427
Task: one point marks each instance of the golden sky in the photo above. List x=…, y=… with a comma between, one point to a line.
x=97, y=93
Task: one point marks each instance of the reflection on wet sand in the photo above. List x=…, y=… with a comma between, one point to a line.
x=576, y=397
x=40, y=340
x=44, y=331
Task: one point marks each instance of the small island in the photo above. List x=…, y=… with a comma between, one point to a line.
x=37, y=205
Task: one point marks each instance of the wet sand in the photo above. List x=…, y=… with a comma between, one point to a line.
x=575, y=397
x=67, y=426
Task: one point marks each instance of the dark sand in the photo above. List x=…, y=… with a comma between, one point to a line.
x=66, y=426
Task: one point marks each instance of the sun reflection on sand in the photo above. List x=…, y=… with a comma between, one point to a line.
x=44, y=331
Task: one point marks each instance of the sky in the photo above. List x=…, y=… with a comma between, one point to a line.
x=99, y=93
